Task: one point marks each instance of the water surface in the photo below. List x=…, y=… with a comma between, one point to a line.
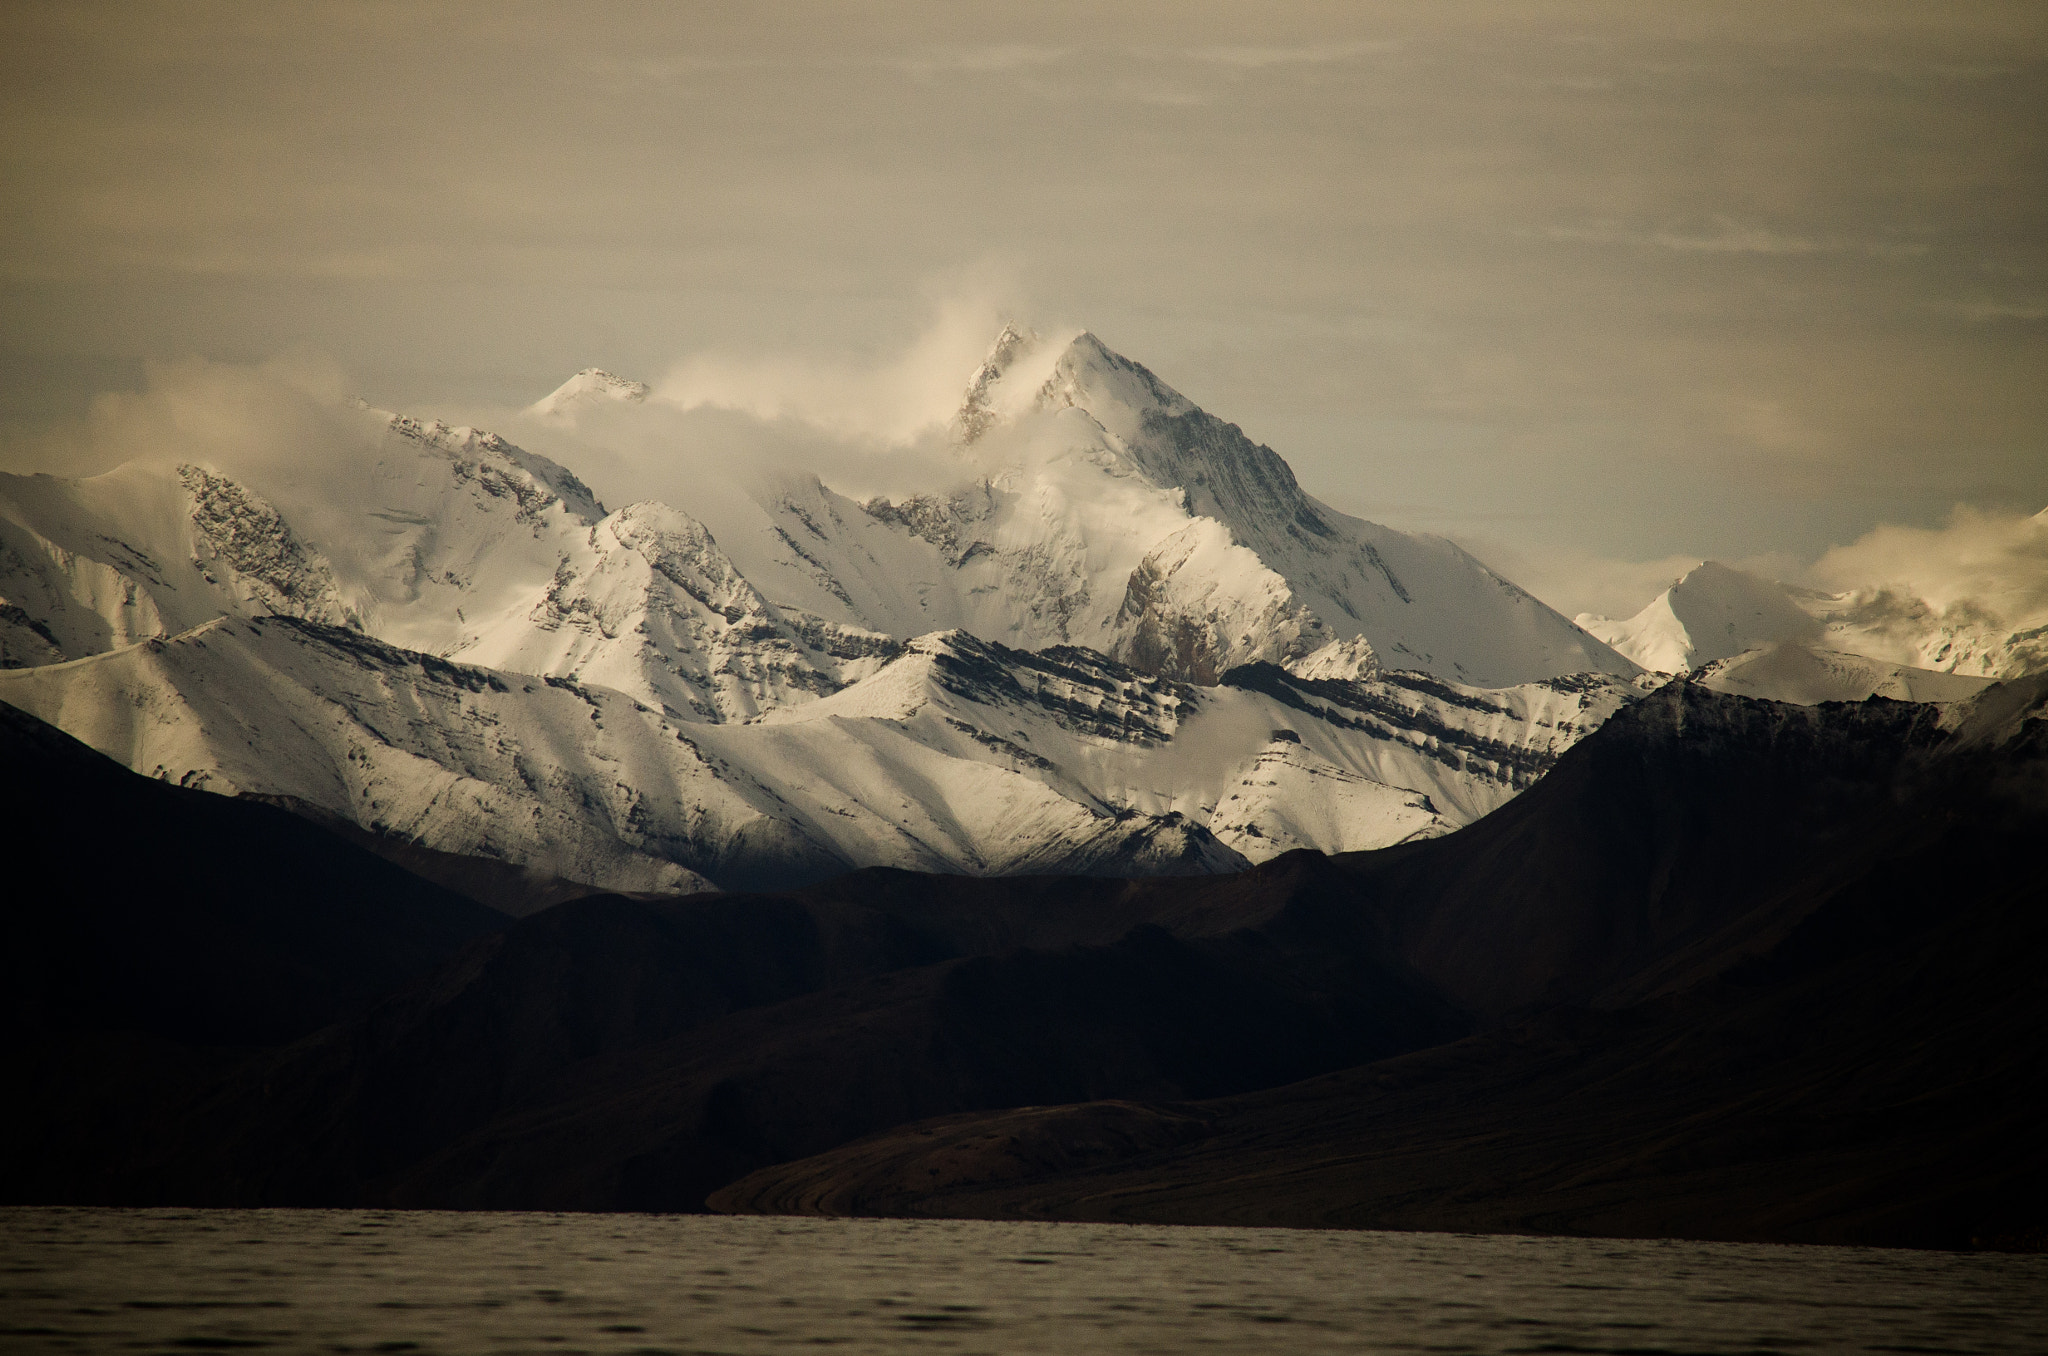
x=341, y=1281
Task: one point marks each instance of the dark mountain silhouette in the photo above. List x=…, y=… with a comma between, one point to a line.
x=138, y=906
x=1741, y=971
x=1732, y=969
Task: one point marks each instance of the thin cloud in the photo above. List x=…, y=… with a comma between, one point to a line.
x=1253, y=58
x=1980, y=561
x=290, y=413
x=1991, y=312
x=885, y=402
x=1728, y=235
x=1576, y=581
x=982, y=60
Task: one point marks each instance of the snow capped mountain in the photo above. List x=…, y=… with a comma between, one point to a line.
x=1753, y=636
x=1713, y=612
x=444, y=540
x=1287, y=574
x=593, y=385
x=421, y=537
x=1120, y=640
x=647, y=603
x=1091, y=504
x=1896, y=625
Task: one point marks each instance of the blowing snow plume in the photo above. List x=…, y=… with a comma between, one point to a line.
x=1971, y=595
x=887, y=403
x=720, y=431
x=289, y=411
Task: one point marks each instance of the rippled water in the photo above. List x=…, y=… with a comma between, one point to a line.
x=321, y=1280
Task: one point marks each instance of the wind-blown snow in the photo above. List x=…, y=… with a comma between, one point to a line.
x=1091, y=504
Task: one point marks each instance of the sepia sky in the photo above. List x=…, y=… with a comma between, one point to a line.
x=1588, y=286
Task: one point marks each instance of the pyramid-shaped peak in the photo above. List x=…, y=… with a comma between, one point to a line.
x=1008, y=342
x=1024, y=370
x=1710, y=572
x=1713, y=584
x=1090, y=372
x=591, y=385
x=1712, y=612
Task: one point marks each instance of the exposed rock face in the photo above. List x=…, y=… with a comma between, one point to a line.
x=649, y=604
x=1175, y=621
x=976, y=415
x=954, y=755
x=948, y=522
x=245, y=541
x=1352, y=660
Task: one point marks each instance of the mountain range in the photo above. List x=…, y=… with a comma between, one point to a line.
x=1122, y=640
x=1110, y=830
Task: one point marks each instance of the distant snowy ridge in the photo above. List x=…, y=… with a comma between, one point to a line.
x=1805, y=674
x=1713, y=612
x=1742, y=633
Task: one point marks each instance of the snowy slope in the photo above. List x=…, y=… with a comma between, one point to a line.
x=647, y=602
x=449, y=541
x=2006, y=638
x=420, y=538
x=591, y=386
x=957, y=756
x=460, y=760
x=1712, y=613
x=1787, y=640
x=70, y=582
x=1420, y=601
x=1793, y=671
x=581, y=782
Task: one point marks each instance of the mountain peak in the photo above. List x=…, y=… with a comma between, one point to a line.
x=1095, y=377
x=1023, y=371
x=978, y=406
x=589, y=386
x=1712, y=612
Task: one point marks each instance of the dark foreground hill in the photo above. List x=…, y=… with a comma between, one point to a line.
x=1731, y=970
x=1745, y=972
x=136, y=906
